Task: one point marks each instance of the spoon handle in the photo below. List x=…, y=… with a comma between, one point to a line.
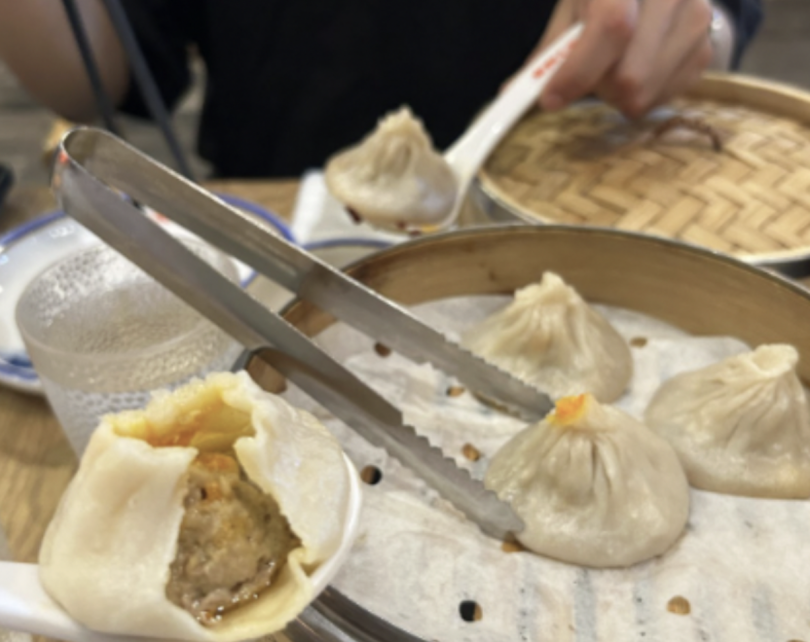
x=26, y=607
x=467, y=154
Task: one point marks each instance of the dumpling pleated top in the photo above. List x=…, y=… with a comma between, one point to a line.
x=594, y=486
x=741, y=426
x=551, y=338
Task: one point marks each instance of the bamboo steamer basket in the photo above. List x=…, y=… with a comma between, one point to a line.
x=587, y=165
x=702, y=292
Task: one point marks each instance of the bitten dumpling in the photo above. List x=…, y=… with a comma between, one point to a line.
x=593, y=486
x=741, y=426
x=393, y=177
x=551, y=338
x=200, y=518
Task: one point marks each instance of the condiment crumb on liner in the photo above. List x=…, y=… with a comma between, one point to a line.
x=741, y=566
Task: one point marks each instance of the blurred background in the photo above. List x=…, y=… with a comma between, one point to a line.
x=780, y=52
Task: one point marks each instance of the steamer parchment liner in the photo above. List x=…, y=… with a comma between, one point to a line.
x=697, y=290
x=587, y=165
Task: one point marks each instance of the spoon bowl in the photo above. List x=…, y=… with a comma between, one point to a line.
x=26, y=606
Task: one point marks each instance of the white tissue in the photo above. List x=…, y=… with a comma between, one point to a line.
x=743, y=564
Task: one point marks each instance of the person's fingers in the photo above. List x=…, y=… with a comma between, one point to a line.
x=688, y=72
x=608, y=29
x=667, y=38
x=640, y=60
x=565, y=15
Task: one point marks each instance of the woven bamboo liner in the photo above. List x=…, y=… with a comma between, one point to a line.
x=588, y=165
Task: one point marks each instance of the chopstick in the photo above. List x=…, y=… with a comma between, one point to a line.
x=147, y=85
x=140, y=70
x=103, y=102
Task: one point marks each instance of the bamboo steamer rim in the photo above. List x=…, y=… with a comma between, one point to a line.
x=777, y=221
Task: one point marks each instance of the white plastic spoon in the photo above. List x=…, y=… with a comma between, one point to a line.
x=469, y=152
x=26, y=606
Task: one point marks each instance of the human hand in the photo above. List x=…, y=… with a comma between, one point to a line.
x=634, y=54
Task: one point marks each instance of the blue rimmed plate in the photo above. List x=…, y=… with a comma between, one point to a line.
x=29, y=249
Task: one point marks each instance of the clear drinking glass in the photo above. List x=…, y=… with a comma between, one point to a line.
x=103, y=335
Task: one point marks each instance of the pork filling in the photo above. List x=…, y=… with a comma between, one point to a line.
x=233, y=540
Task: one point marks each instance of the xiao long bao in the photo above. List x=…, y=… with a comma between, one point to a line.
x=594, y=486
x=551, y=338
x=201, y=517
x=393, y=178
x=741, y=426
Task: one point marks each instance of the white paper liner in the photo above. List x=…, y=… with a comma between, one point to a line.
x=742, y=564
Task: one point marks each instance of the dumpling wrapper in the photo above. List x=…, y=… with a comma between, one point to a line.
x=551, y=338
x=741, y=426
x=594, y=486
x=393, y=177
x=106, y=554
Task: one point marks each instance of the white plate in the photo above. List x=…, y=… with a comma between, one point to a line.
x=31, y=248
x=319, y=216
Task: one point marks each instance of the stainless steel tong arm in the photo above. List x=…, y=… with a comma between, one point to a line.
x=118, y=222
x=242, y=236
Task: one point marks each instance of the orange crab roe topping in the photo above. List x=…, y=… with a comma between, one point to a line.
x=569, y=409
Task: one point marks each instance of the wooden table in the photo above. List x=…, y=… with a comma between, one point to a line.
x=36, y=461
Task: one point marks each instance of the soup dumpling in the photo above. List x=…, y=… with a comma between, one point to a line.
x=594, y=486
x=551, y=338
x=394, y=178
x=201, y=517
x=740, y=426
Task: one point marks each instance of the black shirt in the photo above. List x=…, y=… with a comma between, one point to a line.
x=291, y=82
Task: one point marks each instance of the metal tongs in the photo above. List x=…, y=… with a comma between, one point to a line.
x=92, y=170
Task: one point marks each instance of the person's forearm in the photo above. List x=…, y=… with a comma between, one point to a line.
x=723, y=38
x=745, y=18
x=37, y=44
